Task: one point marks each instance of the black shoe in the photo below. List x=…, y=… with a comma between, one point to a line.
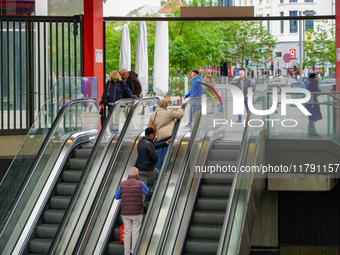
x=188, y=126
x=238, y=121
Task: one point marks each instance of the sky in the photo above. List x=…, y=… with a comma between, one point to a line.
x=123, y=7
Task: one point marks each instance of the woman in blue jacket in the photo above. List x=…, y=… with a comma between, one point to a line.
x=114, y=90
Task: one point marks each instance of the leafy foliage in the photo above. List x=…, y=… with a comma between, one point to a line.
x=320, y=45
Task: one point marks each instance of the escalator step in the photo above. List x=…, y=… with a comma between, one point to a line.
x=82, y=153
x=53, y=216
x=199, y=231
x=226, y=146
x=222, y=163
x=39, y=246
x=46, y=230
x=208, y=217
x=115, y=248
x=65, y=189
x=60, y=202
x=77, y=163
x=228, y=155
x=215, y=190
x=71, y=175
x=212, y=203
x=217, y=181
x=201, y=246
x=87, y=146
x=116, y=233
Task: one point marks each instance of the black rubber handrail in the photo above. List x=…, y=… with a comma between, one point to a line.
x=106, y=175
x=87, y=169
x=167, y=156
x=39, y=155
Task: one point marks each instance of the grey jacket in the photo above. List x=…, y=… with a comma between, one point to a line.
x=247, y=84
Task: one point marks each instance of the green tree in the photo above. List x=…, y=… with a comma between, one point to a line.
x=247, y=40
x=320, y=45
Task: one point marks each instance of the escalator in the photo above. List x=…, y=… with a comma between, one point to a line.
x=52, y=216
x=71, y=129
x=103, y=177
x=204, y=229
x=100, y=225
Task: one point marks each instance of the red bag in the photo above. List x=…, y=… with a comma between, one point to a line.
x=122, y=234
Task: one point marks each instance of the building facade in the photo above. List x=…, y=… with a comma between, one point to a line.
x=287, y=31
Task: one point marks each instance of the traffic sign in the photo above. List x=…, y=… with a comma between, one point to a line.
x=292, y=53
x=287, y=58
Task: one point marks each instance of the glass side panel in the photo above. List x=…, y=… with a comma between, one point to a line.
x=97, y=173
x=188, y=176
x=239, y=195
x=73, y=120
x=296, y=125
x=159, y=207
x=63, y=91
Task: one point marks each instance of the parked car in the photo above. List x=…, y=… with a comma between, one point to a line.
x=326, y=85
x=234, y=80
x=280, y=82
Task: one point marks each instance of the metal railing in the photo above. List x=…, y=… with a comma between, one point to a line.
x=35, y=52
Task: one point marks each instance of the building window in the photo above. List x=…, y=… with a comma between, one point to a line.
x=293, y=23
x=292, y=1
x=309, y=24
x=282, y=1
x=311, y=1
x=252, y=2
x=278, y=54
x=260, y=1
x=282, y=24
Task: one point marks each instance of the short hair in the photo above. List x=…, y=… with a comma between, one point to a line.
x=312, y=75
x=133, y=171
x=241, y=71
x=164, y=104
x=115, y=75
x=195, y=71
x=149, y=131
x=124, y=70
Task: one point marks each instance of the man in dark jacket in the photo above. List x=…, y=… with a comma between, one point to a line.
x=147, y=155
x=132, y=81
x=243, y=84
x=131, y=193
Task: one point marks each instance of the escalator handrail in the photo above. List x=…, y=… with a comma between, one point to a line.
x=41, y=152
x=166, y=158
x=107, y=172
x=232, y=191
x=115, y=105
x=181, y=176
x=208, y=138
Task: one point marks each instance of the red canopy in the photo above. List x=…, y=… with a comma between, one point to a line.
x=209, y=70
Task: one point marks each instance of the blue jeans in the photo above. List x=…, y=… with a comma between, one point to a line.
x=193, y=110
x=246, y=105
x=161, y=153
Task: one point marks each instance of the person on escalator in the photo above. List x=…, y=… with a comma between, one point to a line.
x=114, y=90
x=164, y=121
x=131, y=194
x=147, y=156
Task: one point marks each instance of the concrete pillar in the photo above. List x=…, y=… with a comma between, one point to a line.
x=337, y=43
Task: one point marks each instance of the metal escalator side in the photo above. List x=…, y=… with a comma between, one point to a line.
x=112, y=245
x=103, y=170
x=244, y=198
x=247, y=186
x=178, y=218
x=32, y=198
x=164, y=189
